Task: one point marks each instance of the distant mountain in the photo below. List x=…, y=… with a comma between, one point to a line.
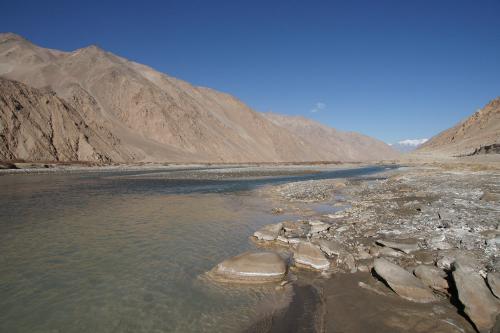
x=128, y=112
x=405, y=146
x=347, y=145
x=478, y=134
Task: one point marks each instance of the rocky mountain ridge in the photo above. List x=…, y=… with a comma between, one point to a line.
x=478, y=134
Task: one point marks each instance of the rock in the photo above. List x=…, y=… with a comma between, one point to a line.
x=370, y=233
x=447, y=258
x=374, y=251
x=362, y=255
x=340, y=229
x=494, y=283
x=388, y=252
x=297, y=229
x=308, y=254
x=277, y=211
x=402, y=282
x=404, y=247
x=490, y=196
x=479, y=304
x=330, y=247
x=439, y=243
x=269, y=232
x=493, y=242
x=255, y=267
x=334, y=248
x=285, y=240
x=432, y=276
x=318, y=226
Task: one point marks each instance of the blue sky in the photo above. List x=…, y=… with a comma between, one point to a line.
x=391, y=69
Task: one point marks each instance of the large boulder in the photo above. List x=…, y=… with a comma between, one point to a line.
x=402, y=282
x=309, y=255
x=479, y=304
x=255, y=267
x=269, y=232
x=432, y=276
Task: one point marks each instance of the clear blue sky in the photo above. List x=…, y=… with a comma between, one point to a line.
x=391, y=69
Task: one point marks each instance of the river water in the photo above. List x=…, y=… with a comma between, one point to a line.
x=123, y=251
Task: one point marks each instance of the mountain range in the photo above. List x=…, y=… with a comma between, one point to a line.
x=408, y=145
x=92, y=105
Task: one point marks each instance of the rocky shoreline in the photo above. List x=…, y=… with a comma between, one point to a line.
x=426, y=238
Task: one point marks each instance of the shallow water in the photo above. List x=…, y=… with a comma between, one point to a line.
x=123, y=251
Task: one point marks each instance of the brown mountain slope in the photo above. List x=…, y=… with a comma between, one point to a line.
x=335, y=144
x=153, y=117
x=42, y=126
x=474, y=135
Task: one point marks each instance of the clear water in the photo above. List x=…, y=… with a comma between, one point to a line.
x=123, y=251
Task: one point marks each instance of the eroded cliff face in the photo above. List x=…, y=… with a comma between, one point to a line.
x=139, y=114
x=39, y=126
x=478, y=134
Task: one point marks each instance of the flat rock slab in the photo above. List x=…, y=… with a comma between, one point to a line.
x=254, y=267
x=432, y=276
x=494, y=283
x=310, y=255
x=269, y=232
x=297, y=229
x=402, y=282
x=318, y=226
x=378, y=251
x=479, y=303
x=404, y=247
x=334, y=248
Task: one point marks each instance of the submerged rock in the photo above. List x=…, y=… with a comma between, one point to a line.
x=269, y=232
x=403, y=247
x=255, y=267
x=494, y=283
x=402, y=282
x=479, y=304
x=432, y=276
x=309, y=255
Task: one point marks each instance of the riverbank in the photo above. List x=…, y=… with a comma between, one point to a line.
x=228, y=168
x=441, y=219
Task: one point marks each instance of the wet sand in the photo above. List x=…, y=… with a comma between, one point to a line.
x=304, y=314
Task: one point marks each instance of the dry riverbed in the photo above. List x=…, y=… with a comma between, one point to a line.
x=411, y=250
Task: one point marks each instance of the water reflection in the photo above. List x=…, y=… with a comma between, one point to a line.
x=121, y=253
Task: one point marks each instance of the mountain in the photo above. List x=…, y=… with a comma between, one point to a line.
x=335, y=144
x=130, y=112
x=478, y=134
x=39, y=125
x=408, y=145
